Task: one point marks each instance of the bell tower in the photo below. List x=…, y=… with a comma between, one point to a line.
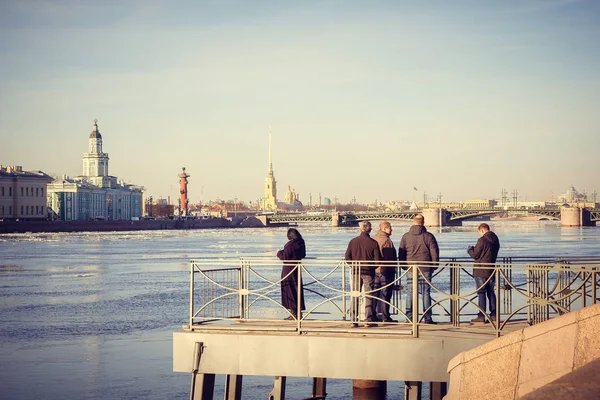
x=95, y=162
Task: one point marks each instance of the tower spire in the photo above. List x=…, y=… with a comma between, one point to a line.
x=270, y=152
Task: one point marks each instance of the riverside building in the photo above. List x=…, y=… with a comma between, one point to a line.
x=95, y=194
x=22, y=194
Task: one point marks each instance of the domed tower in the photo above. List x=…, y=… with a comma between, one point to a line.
x=95, y=162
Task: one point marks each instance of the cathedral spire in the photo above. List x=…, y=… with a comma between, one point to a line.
x=270, y=199
x=270, y=152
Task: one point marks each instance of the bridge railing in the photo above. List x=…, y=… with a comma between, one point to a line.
x=528, y=290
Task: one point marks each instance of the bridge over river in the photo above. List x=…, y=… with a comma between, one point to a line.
x=569, y=216
x=238, y=326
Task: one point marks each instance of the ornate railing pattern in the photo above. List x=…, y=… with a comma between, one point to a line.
x=528, y=289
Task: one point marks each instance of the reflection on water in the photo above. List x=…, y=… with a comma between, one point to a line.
x=91, y=315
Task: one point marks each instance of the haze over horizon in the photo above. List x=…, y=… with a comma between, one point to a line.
x=365, y=100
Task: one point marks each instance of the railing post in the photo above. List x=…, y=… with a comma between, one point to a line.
x=594, y=277
x=454, y=290
x=191, y=293
x=344, y=289
x=240, y=284
x=528, y=299
x=299, y=298
x=497, y=277
x=415, y=300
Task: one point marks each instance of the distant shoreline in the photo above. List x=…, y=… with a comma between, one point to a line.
x=8, y=227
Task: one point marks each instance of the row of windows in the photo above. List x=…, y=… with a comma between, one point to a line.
x=25, y=210
x=39, y=192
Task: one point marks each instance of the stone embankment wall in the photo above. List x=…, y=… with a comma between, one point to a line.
x=107, y=226
x=517, y=364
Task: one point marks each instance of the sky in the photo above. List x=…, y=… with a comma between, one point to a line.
x=365, y=100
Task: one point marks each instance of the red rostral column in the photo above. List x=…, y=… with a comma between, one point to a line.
x=183, y=199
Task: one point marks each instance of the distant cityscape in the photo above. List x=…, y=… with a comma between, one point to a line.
x=96, y=195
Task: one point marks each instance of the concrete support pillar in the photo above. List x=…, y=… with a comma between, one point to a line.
x=203, y=387
x=575, y=216
x=437, y=390
x=319, y=388
x=278, y=392
x=335, y=219
x=233, y=387
x=263, y=219
x=368, y=389
x=432, y=217
x=412, y=390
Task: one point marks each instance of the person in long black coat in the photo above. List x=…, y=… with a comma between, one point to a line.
x=292, y=253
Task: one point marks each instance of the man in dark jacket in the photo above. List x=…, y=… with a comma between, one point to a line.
x=363, y=252
x=416, y=246
x=485, y=252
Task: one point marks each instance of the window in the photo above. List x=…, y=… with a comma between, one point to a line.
x=9, y=210
x=22, y=210
x=10, y=191
x=2, y=193
x=42, y=192
x=37, y=210
x=2, y=209
x=31, y=208
x=37, y=192
x=21, y=192
x=26, y=191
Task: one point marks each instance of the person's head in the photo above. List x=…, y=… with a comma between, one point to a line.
x=293, y=234
x=365, y=226
x=419, y=220
x=386, y=227
x=483, y=228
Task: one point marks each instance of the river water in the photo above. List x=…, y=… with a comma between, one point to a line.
x=91, y=315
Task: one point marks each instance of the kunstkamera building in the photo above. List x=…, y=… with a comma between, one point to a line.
x=95, y=194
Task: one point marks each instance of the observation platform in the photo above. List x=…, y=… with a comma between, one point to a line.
x=236, y=322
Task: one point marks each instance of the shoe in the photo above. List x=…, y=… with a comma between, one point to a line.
x=290, y=318
x=389, y=320
x=479, y=318
x=370, y=322
x=355, y=325
x=493, y=316
x=430, y=322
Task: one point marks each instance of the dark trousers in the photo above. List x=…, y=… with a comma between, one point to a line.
x=425, y=290
x=486, y=290
x=384, y=294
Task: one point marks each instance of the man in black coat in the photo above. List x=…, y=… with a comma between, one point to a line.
x=419, y=247
x=485, y=252
x=363, y=252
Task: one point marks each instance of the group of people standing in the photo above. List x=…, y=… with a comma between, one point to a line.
x=375, y=259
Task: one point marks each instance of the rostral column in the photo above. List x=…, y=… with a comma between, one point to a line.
x=183, y=197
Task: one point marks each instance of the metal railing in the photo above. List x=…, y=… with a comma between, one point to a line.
x=528, y=290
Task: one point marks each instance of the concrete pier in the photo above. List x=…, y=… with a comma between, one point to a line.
x=370, y=359
x=438, y=217
x=335, y=219
x=575, y=216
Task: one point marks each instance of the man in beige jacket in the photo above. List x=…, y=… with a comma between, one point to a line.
x=386, y=272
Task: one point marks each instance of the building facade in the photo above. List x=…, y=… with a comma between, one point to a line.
x=95, y=194
x=22, y=194
x=479, y=204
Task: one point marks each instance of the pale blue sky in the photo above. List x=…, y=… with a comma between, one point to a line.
x=365, y=99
